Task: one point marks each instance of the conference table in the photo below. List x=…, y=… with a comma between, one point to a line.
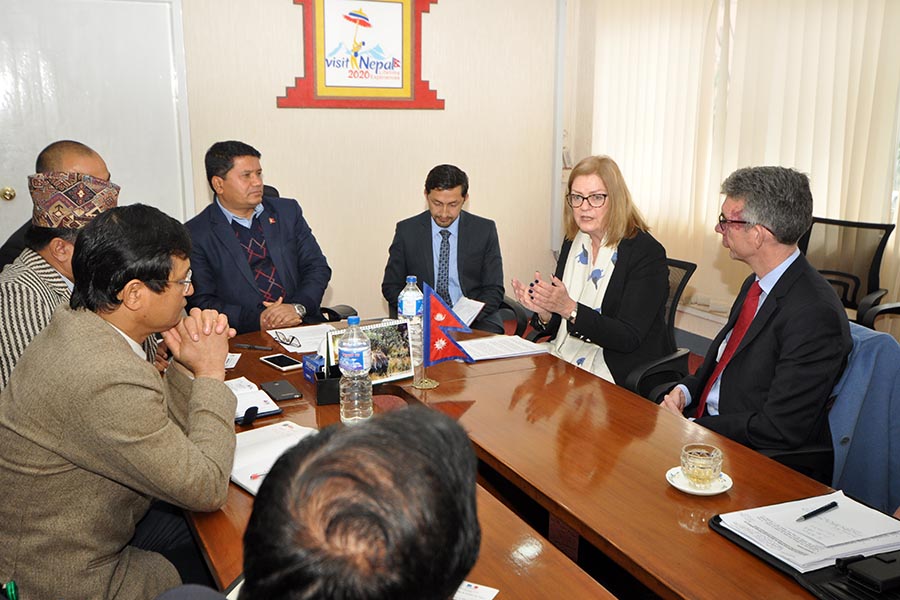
x=513, y=558
x=591, y=453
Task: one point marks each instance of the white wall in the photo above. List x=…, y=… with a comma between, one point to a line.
x=357, y=172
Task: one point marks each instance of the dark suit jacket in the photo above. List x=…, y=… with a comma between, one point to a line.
x=478, y=259
x=221, y=272
x=774, y=392
x=14, y=245
x=631, y=326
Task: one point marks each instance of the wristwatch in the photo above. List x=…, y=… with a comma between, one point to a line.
x=301, y=310
x=572, y=315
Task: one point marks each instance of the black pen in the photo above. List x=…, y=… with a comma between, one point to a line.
x=818, y=511
x=252, y=347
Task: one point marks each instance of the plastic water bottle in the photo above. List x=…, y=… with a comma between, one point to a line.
x=355, y=360
x=410, y=306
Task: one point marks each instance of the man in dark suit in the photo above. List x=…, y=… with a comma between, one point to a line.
x=770, y=390
x=254, y=258
x=474, y=268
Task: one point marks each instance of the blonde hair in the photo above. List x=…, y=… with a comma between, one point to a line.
x=623, y=219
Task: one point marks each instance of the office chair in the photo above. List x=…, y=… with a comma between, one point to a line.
x=338, y=312
x=865, y=425
x=512, y=312
x=848, y=254
x=868, y=319
x=653, y=379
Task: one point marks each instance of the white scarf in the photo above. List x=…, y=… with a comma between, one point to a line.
x=586, y=284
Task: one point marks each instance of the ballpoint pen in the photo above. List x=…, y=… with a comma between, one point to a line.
x=817, y=512
x=252, y=347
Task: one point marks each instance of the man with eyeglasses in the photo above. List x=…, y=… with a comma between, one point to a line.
x=767, y=378
x=452, y=250
x=71, y=187
x=255, y=257
x=98, y=453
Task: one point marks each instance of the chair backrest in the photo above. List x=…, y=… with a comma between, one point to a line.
x=848, y=254
x=271, y=192
x=865, y=421
x=680, y=272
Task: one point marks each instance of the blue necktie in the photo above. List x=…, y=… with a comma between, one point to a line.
x=442, y=286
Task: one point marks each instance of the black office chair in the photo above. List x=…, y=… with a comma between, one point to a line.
x=511, y=311
x=654, y=378
x=338, y=312
x=848, y=254
x=868, y=319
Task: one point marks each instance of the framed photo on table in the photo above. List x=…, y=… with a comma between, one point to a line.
x=391, y=352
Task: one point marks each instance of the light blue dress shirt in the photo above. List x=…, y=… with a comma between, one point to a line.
x=230, y=216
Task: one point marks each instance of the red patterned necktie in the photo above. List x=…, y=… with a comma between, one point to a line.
x=748, y=311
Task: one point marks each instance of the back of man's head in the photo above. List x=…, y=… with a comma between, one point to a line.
x=380, y=511
x=52, y=158
x=125, y=243
x=220, y=158
x=776, y=197
x=447, y=177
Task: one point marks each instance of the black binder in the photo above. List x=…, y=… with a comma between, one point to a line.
x=836, y=582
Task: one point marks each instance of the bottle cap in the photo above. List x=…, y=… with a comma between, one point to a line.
x=354, y=320
x=410, y=279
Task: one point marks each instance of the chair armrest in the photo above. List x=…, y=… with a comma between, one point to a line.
x=816, y=461
x=675, y=363
x=866, y=304
x=868, y=319
x=519, y=311
x=338, y=312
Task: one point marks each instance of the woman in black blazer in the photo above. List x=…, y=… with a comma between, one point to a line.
x=611, y=280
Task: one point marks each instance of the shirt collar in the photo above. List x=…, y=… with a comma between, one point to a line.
x=453, y=228
x=69, y=283
x=230, y=216
x=771, y=278
x=134, y=345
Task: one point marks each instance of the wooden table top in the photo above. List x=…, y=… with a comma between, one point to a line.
x=595, y=456
x=513, y=558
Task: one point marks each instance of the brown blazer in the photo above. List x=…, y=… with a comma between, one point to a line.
x=89, y=435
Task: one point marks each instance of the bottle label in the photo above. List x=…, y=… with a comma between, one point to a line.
x=411, y=309
x=353, y=360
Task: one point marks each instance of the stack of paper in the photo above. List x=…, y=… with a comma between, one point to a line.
x=309, y=337
x=249, y=395
x=851, y=528
x=501, y=346
x=258, y=449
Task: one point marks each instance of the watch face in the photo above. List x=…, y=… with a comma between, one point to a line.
x=301, y=310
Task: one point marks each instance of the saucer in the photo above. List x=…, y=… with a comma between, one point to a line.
x=677, y=479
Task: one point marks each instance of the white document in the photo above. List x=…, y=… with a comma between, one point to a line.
x=501, y=346
x=309, y=336
x=467, y=309
x=473, y=591
x=231, y=360
x=851, y=528
x=258, y=449
x=248, y=395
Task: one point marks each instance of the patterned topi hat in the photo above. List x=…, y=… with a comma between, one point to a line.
x=69, y=200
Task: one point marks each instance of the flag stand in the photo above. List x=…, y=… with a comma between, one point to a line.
x=421, y=381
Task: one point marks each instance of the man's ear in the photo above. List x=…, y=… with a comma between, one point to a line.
x=61, y=250
x=133, y=294
x=218, y=184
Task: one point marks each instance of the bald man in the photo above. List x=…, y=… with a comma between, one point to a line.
x=70, y=188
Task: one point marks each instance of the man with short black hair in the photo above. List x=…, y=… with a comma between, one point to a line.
x=255, y=257
x=453, y=251
x=90, y=433
x=767, y=378
x=70, y=188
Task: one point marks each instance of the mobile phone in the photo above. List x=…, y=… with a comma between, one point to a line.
x=280, y=390
x=282, y=362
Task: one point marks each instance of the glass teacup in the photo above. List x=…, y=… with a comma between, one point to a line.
x=701, y=464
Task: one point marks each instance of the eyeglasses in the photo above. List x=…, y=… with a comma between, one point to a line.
x=595, y=200
x=723, y=222
x=184, y=282
x=290, y=340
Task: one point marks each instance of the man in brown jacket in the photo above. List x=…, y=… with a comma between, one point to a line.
x=90, y=433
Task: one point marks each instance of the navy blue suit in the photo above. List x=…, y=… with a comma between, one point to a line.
x=221, y=273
